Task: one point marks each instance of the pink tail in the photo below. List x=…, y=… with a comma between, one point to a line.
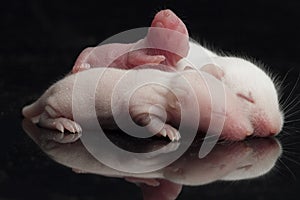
x=33, y=109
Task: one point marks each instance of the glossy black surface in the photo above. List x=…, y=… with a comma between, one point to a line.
x=41, y=40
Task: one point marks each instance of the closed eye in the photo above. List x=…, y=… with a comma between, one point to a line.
x=248, y=98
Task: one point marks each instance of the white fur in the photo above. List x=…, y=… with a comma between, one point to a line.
x=242, y=77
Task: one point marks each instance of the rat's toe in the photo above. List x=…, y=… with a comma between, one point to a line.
x=61, y=124
x=172, y=133
x=67, y=124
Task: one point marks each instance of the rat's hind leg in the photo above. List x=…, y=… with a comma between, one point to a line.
x=50, y=119
x=156, y=108
x=167, y=32
x=156, y=126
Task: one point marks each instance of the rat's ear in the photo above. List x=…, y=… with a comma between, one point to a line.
x=213, y=70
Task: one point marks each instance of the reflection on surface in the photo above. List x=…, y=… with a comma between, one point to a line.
x=227, y=161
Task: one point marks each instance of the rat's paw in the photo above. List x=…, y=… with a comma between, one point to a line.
x=140, y=57
x=171, y=132
x=63, y=124
x=65, y=138
x=156, y=126
x=81, y=67
x=60, y=124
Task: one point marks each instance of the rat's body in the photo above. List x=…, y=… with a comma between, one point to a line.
x=54, y=108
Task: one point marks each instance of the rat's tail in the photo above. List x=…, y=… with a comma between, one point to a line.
x=35, y=109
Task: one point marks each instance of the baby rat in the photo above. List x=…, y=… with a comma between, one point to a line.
x=248, y=81
x=154, y=105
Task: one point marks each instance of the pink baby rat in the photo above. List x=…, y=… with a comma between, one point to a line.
x=119, y=55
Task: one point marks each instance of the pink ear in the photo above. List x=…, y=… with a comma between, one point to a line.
x=213, y=70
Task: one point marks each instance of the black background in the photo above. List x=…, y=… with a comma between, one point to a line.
x=40, y=40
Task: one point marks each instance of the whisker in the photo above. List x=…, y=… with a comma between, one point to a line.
x=285, y=132
x=289, y=96
x=292, y=114
x=281, y=100
x=287, y=135
x=291, y=108
x=291, y=103
x=292, y=129
x=284, y=78
x=290, y=151
x=287, y=168
x=292, y=160
x=291, y=144
x=290, y=121
x=278, y=169
x=293, y=132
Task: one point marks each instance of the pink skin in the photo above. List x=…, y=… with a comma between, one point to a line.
x=120, y=56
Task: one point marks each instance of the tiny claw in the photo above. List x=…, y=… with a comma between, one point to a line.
x=178, y=136
x=159, y=25
x=78, y=128
x=248, y=133
x=71, y=129
x=60, y=127
x=85, y=66
x=163, y=132
x=172, y=137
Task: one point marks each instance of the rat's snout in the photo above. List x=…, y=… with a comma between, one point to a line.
x=280, y=121
x=275, y=128
x=268, y=126
x=277, y=125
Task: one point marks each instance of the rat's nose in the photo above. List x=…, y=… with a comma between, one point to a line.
x=268, y=126
x=280, y=122
x=275, y=130
x=276, y=126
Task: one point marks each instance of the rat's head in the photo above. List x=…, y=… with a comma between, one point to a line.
x=255, y=89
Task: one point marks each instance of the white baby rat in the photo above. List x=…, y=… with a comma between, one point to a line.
x=152, y=105
x=247, y=81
